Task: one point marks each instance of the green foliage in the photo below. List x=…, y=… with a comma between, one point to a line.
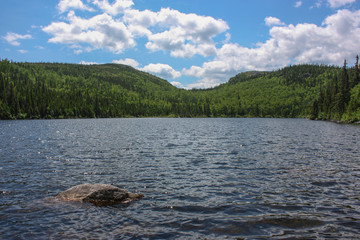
x=271, y=94
x=353, y=110
x=245, y=76
x=54, y=90
x=339, y=99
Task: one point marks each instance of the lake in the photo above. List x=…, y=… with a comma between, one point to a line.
x=202, y=178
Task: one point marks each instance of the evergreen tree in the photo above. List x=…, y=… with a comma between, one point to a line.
x=356, y=79
x=53, y=90
x=343, y=95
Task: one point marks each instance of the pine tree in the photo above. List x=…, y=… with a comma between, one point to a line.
x=314, y=110
x=343, y=95
x=356, y=70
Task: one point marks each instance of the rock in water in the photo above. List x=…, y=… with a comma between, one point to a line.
x=98, y=194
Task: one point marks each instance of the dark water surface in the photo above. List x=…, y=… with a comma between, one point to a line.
x=202, y=178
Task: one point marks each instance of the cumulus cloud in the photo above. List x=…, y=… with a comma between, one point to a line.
x=12, y=38
x=184, y=35
x=318, y=3
x=298, y=4
x=332, y=42
x=65, y=5
x=139, y=22
x=339, y=3
x=227, y=38
x=113, y=9
x=271, y=21
x=127, y=61
x=161, y=70
x=87, y=63
x=22, y=51
x=333, y=3
x=98, y=32
x=177, y=84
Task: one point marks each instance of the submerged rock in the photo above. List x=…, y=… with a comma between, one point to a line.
x=98, y=194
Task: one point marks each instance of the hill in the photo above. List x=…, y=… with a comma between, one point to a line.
x=288, y=92
x=55, y=90
x=245, y=76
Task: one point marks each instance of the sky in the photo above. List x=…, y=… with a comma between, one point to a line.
x=190, y=43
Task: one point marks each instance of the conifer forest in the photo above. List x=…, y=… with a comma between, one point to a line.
x=59, y=90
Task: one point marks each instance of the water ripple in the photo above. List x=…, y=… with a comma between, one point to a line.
x=202, y=178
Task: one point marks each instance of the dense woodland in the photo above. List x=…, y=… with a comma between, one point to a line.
x=339, y=99
x=56, y=90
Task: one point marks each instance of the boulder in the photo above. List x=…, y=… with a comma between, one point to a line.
x=98, y=194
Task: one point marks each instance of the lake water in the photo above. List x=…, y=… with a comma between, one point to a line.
x=202, y=178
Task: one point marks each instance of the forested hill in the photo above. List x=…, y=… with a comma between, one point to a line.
x=55, y=90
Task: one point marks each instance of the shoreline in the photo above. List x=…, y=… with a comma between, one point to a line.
x=353, y=122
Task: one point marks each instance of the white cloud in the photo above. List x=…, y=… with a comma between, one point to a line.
x=161, y=70
x=12, y=38
x=65, y=5
x=333, y=3
x=98, y=32
x=78, y=51
x=127, y=61
x=298, y=4
x=317, y=4
x=331, y=43
x=22, y=51
x=88, y=63
x=184, y=35
x=339, y=3
x=139, y=22
x=177, y=84
x=271, y=21
x=114, y=9
x=227, y=38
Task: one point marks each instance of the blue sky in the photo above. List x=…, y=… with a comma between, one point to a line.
x=192, y=44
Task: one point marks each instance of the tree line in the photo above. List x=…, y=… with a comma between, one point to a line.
x=339, y=99
x=58, y=90
x=54, y=90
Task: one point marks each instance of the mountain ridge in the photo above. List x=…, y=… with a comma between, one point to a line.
x=62, y=90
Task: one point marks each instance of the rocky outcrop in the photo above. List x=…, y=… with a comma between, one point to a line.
x=98, y=194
